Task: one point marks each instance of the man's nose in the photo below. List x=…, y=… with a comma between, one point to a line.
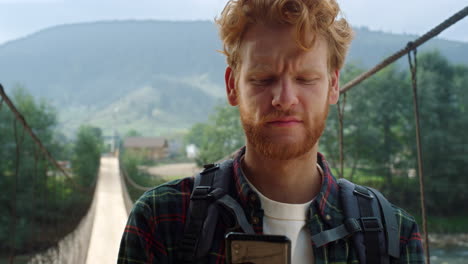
x=285, y=95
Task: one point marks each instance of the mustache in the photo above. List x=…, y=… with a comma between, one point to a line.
x=277, y=114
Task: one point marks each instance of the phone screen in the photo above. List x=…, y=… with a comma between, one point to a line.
x=257, y=249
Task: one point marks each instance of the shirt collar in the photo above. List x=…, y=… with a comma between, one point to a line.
x=325, y=205
x=242, y=187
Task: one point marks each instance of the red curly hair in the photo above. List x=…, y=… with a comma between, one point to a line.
x=307, y=16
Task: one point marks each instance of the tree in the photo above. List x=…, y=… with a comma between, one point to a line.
x=23, y=168
x=379, y=133
x=444, y=121
x=219, y=137
x=87, y=153
x=133, y=133
x=375, y=123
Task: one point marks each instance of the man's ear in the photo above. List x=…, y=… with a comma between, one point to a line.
x=334, y=93
x=231, y=90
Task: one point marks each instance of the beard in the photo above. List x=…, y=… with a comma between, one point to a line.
x=259, y=135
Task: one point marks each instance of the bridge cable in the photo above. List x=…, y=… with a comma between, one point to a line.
x=38, y=142
x=411, y=46
x=130, y=180
x=14, y=214
x=34, y=199
x=46, y=164
x=416, y=43
x=341, y=108
x=413, y=64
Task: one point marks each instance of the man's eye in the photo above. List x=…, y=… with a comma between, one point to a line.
x=262, y=81
x=307, y=80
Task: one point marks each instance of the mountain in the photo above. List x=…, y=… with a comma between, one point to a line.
x=158, y=77
x=371, y=47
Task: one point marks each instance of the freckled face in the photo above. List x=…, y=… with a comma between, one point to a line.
x=283, y=92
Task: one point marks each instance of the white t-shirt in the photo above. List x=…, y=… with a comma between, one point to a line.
x=289, y=220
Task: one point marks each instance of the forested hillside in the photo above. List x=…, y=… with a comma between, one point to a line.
x=154, y=76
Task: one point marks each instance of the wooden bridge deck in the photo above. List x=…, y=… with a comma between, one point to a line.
x=111, y=216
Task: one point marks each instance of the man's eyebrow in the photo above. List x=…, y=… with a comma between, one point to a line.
x=259, y=67
x=263, y=68
x=310, y=72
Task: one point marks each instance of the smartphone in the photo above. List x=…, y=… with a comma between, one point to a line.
x=257, y=249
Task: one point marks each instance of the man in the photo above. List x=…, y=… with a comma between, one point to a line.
x=283, y=68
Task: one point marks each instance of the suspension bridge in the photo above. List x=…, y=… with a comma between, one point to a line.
x=57, y=217
x=58, y=229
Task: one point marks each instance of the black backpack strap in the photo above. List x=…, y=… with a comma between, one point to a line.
x=198, y=210
x=209, y=193
x=350, y=227
x=390, y=223
x=233, y=206
x=371, y=225
x=379, y=238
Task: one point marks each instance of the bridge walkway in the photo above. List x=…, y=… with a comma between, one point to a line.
x=111, y=216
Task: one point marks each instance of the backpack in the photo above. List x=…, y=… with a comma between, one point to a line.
x=369, y=218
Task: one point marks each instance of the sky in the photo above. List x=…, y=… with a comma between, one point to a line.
x=19, y=18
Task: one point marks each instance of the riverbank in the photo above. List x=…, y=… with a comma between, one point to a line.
x=448, y=240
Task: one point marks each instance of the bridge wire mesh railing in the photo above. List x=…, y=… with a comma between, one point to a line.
x=44, y=201
x=135, y=180
x=408, y=49
x=131, y=190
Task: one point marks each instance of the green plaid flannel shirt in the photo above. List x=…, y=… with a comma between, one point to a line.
x=156, y=223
